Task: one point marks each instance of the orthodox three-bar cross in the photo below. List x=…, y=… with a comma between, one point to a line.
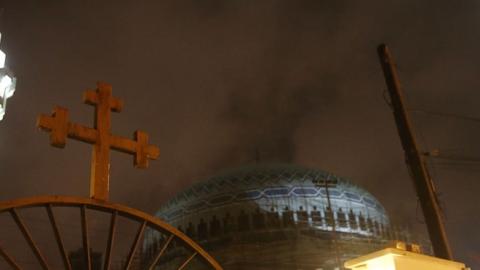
x=60, y=128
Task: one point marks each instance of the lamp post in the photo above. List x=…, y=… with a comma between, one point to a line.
x=7, y=84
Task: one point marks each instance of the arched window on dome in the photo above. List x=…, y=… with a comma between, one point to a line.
x=190, y=230
x=376, y=227
x=202, y=230
x=316, y=217
x=341, y=218
x=370, y=225
x=273, y=220
x=352, y=220
x=329, y=218
x=215, y=227
x=302, y=216
x=361, y=222
x=287, y=217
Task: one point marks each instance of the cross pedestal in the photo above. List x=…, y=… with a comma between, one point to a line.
x=99, y=136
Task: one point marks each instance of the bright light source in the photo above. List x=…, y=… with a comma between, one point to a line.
x=396, y=259
x=7, y=87
x=3, y=56
x=2, y=59
x=382, y=263
x=7, y=84
x=2, y=112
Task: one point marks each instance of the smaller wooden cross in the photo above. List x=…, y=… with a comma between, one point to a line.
x=60, y=128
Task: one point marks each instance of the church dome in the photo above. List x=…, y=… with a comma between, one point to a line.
x=277, y=188
x=278, y=216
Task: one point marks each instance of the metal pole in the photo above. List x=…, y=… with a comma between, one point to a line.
x=415, y=161
x=329, y=208
x=334, y=229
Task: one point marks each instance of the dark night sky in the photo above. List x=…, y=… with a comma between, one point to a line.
x=212, y=80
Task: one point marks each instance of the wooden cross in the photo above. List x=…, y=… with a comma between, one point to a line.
x=60, y=128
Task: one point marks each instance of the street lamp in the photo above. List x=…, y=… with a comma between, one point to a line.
x=7, y=84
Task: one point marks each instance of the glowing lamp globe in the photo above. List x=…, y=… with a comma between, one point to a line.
x=7, y=84
x=2, y=59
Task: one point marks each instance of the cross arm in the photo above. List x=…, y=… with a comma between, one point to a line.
x=81, y=133
x=56, y=124
x=138, y=147
x=60, y=128
x=103, y=93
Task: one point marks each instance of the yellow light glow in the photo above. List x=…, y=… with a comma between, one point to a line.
x=397, y=259
x=383, y=263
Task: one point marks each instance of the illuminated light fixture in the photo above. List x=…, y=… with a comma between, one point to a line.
x=3, y=56
x=397, y=259
x=7, y=84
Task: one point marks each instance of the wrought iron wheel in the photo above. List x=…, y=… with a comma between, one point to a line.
x=41, y=233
